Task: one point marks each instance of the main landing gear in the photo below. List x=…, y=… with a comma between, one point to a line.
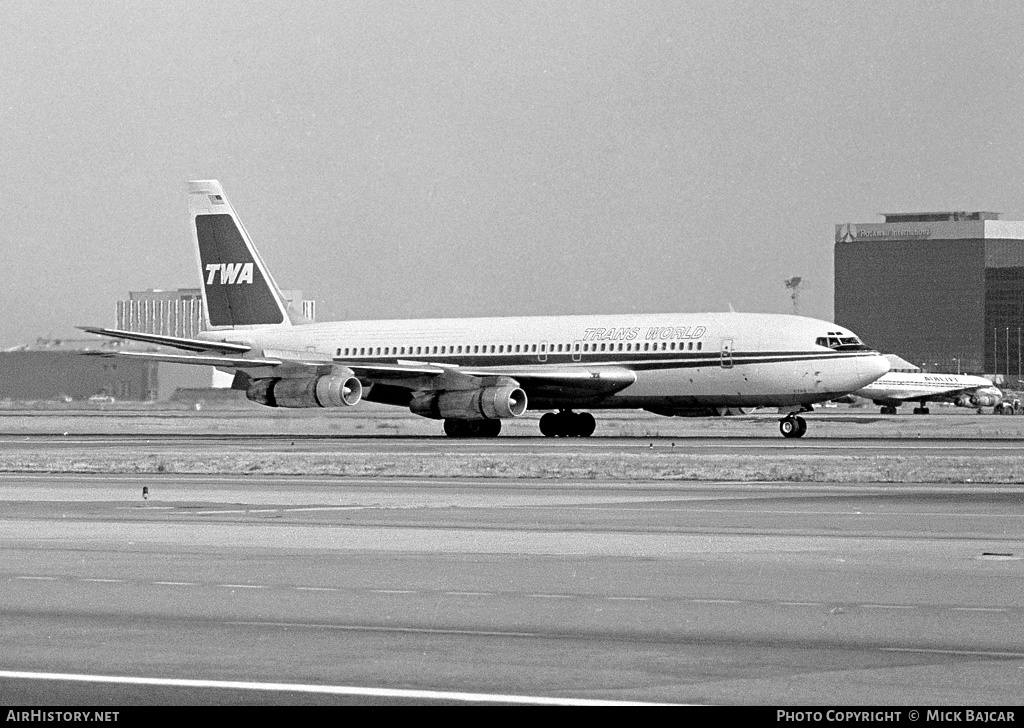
x=792, y=426
x=567, y=423
x=472, y=428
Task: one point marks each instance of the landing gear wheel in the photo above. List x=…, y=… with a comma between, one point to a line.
x=921, y=410
x=490, y=428
x=455, y=428
x=888, y=410
x=793, y=426
x=567, y=423
x=586, y=424
x=472, y=428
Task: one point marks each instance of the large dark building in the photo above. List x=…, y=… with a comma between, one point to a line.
x=57, y=369
x=944, y=290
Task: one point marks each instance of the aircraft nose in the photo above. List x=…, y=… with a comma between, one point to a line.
x=872, y=367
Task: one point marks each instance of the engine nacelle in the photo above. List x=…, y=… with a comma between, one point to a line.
x=978, y=399
x=331, y=390
x=985, y=400
x=488, y=403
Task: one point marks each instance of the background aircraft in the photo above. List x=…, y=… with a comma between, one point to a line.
x=896, y=388
x=473, y=373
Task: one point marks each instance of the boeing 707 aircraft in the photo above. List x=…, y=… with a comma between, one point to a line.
x=472, y=373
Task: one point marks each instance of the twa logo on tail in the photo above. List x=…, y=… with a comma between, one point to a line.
x=230, y=273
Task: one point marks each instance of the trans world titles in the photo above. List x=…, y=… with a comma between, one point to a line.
x=631, y=333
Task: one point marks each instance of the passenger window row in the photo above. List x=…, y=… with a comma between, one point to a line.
x=516, y=348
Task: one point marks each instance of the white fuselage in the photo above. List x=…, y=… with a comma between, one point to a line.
x=680, y=361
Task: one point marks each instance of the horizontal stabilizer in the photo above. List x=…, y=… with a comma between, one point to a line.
x=229, y=362
x=174, y=341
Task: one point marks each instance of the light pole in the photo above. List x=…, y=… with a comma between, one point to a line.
x=995, y=355
x=957, y=360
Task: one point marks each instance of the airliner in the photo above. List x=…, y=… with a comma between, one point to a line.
x=474, y=373
x=964, y=390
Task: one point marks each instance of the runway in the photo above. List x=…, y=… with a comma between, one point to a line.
x=682, y=592
x=414, y=446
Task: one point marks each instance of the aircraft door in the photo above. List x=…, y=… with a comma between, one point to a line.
x=727, y=353
x=542, y=353
x=576, y=350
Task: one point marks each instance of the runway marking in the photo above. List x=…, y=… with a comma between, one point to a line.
x=971, y=653
x=401, y=630
x=318, y=689
x=277, y=510
x=653, y=507
x=887, y=606
x=551, y=596
x=594, y=597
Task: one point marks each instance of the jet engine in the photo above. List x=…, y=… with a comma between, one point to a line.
x=978, y=399
x=332, y=390
x=487, y=403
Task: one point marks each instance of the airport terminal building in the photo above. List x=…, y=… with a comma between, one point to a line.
x=943, y=290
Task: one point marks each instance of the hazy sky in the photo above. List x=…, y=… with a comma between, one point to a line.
x=406, y=159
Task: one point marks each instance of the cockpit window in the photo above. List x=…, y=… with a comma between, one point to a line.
x=838, y=342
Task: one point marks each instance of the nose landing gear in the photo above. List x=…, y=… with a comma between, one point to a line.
x=792, y=426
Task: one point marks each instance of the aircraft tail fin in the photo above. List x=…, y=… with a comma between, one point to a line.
x=238, y=289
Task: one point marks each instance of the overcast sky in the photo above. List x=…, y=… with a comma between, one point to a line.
x=419, y=159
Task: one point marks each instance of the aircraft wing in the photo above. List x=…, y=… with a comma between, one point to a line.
x=584, y=380
x=580, y=380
